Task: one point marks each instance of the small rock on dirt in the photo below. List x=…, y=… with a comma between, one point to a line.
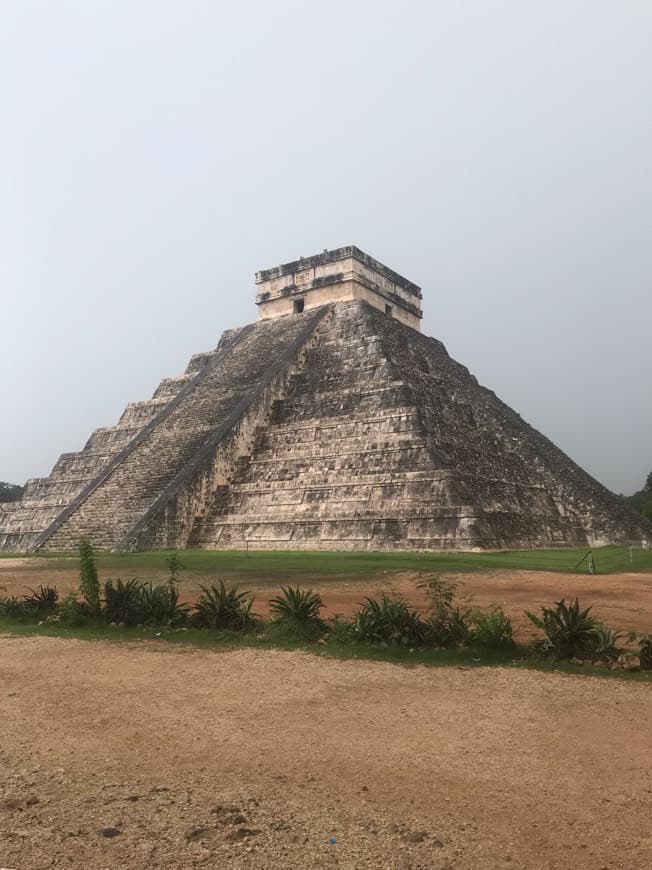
x=110, y=832
x=240, y=834
x=415, y=837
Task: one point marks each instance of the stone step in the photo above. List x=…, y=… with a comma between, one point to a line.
x=128, y=491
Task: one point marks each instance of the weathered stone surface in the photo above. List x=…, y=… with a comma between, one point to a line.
x=336, y=428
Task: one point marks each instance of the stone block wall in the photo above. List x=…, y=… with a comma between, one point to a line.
x=337, y=428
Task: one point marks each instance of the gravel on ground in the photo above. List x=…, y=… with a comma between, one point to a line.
x=141, y=756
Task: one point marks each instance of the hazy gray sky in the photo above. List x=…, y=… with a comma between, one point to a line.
x=155, y=154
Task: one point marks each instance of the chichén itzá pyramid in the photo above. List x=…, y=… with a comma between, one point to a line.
x=330, y=423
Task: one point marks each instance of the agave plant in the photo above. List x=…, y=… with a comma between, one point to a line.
x=136, y=603
x=41, y=601
x=604, y=642
x=224, y=607
x=122, y=601
x=297, y=605
x=159, y=605
x=569, y=630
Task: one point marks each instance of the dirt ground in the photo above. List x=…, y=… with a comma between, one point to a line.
x=622, y=601
x=117, y=756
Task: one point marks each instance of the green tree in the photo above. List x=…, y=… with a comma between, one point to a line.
x=10, y=491
x=89, y=584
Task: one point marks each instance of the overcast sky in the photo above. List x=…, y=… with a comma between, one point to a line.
x=153, y=155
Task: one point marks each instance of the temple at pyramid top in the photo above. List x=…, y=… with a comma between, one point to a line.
x=337, y=276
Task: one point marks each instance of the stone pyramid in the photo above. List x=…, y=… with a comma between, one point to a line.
x=331, y=423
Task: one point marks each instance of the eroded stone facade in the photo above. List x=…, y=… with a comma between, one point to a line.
x=337, y=276
x=339, y=427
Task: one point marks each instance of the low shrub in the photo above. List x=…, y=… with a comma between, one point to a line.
x=389, y=621
x=122, y=601
x=72, y=612
x=38, y=604
x=295, y=604
x=296, y=615
x=603, y=642
x=41, y=602
x=340, y=629
x=133, y=602
x=492, y=627
x=13, y=607
x=448, y=623
x=224, y=607
x=645, y=651
x=569, y=631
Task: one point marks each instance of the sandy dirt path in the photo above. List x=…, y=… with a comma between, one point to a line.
x=124, y=756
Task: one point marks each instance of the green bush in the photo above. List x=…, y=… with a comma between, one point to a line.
x=569, y=631
x=225, y=607
x=387, y=622
x=159, y=605
x=89, y=585
x=122, y=601
x=40, y=602
x=13, y=607
x=492, y=627
x=296, y=615
x=72, y=612
x=449, y=624
x=133, y=602
x=297, y=605
x=645, y=652
x=603, y=642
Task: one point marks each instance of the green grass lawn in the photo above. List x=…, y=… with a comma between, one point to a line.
x=278, y=566
x=222, y=641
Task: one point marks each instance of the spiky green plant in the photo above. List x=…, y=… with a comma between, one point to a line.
x=645, y=651
x=603, y=642
x=122, y=601
x=159, y=605
x=568, y=629
x=225, y=607
x=389, y=621
x=297, y=605
x=448, y=623
x=136, y=603
x=13, y=607
x=41, y=601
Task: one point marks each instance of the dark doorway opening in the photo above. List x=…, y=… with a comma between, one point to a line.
x=388, y=310
x=298, y=306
